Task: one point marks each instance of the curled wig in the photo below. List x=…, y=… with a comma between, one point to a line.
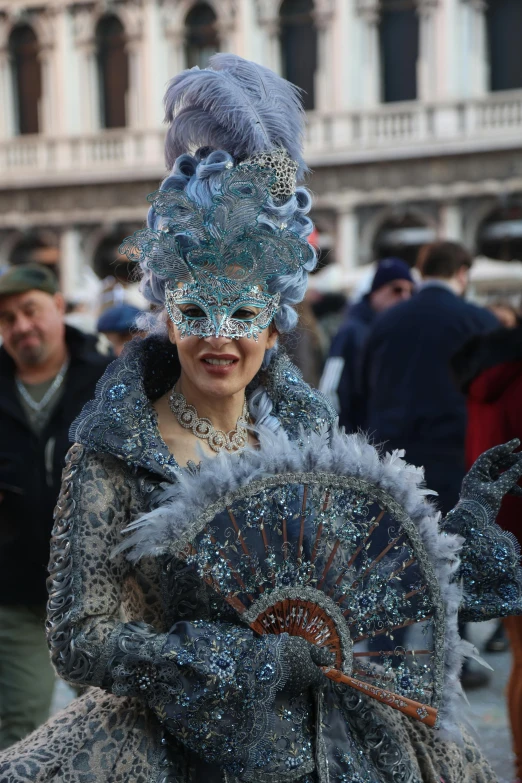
x=201, y=176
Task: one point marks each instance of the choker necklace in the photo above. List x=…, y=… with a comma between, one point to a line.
x=187, y=416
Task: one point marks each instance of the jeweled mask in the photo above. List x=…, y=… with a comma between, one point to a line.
x=218, y=260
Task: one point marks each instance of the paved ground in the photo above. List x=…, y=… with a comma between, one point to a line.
x=489, y=716
x=487, y=711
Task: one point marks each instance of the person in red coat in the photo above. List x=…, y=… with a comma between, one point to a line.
x=489, y=371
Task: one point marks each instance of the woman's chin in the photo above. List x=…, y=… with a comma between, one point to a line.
x=219, y=386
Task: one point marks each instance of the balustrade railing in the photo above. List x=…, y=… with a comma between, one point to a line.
x=345, y=135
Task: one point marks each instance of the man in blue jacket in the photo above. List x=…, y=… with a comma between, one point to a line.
x=411, y=399
x=392, y=283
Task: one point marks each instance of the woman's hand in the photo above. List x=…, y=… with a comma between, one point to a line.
x=495, y=474
x=304, y=661
x=489, y=565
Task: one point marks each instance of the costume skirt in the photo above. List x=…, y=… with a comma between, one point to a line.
x=101, y=738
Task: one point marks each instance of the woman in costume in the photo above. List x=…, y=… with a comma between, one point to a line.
x=183, y=688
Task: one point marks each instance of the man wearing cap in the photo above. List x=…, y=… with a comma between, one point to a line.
x=47, y=373
x=392, y=283
x=118, y=324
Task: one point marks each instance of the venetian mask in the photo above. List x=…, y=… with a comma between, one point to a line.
x=217, y=260
x=220, y=315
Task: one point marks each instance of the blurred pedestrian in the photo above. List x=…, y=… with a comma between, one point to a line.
x=392, y=283
x=47, y=373
x=412, y=400
x=489, y=370
x=329, y=309
x=118, y=324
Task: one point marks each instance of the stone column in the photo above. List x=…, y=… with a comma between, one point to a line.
x=47, y=109
x=134, y=21
x=154, y=73
x=451, y=221
x=91, y=120
x=427, y=63
x=272, y=31
x=134, y=97
x=175, y=42
x=72, y=261
x=7, y=98
x=324, y=78
x=226, y=26
x=347, y=239
x=84, y=27
x=370, y=61
x=479, y=71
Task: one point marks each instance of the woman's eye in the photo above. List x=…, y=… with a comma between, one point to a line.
x=243, y=314
x=193, y=312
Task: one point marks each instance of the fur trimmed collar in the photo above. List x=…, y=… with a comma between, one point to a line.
x=121, y=419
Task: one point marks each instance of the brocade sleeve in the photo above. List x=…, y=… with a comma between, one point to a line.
x=212, y=685
x=489, y=563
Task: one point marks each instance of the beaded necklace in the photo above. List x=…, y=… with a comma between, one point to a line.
x=187, y=416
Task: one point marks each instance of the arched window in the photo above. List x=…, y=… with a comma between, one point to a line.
x=299, y=46
x=500, y=235
x=201, y=38
x=402, y=237
x=108, y=262
x=27, y=79
x=113, y=72
x=504, y=25
x=399, y=44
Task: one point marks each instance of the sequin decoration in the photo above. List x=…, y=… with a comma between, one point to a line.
x=335, y=561
x=489, y=563
x=212, y=686
x=297, y=406
x=285, y=169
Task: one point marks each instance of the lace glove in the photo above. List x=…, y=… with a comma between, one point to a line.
x=304, y=661
x=212, y=685
x=490, y=557
x=493, y=475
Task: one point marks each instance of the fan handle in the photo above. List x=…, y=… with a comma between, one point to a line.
x=411, y=708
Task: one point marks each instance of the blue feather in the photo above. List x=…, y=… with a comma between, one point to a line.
x=234, y=105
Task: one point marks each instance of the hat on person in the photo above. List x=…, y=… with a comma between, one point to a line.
x=28, y=277
x=391, y=269
x=120, y=319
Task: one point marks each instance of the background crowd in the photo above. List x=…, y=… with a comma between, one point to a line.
x=410, y=361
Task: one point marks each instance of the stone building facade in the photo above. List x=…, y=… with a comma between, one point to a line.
x=414, y=119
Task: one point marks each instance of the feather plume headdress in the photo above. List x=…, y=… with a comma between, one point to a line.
x=237, y=106
x=217, y=243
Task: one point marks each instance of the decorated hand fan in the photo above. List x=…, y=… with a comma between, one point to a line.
x=324, y=554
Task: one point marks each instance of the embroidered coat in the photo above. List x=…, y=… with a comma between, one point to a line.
x=135, y=632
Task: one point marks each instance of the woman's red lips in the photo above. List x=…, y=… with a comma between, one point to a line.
x=227, y=356
x=219, y=364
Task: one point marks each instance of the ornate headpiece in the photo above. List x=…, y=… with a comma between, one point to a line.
x=217, y=260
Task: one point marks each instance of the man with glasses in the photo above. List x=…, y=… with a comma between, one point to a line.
x=392, y=283
x=47, y=373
